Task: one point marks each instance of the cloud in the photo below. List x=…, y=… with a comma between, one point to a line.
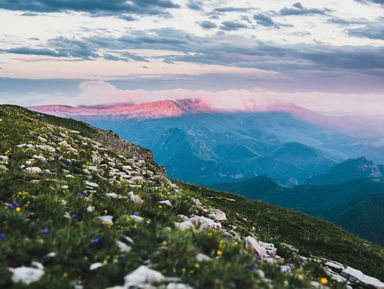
x=195, y=5
x=372, y=1
x=259, y=99
x=373, y=30
x=227, y=51
x=208, y=24
x=267, y=21
x=93, y=7
x=232, y=25
x=299, y=9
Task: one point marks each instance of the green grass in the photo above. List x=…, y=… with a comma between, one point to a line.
x=54, y=217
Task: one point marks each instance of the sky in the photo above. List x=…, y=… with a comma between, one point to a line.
x=327, y=55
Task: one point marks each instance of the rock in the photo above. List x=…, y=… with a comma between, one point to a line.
x=217, y=215
x=178, y=286
x=334, y=276
x=270, y=248
x=202, y=258
x=137, y=218
x=335, y=266
x=115, y=196
x=184, y=225
x=91, y=184
x=167, y=203
x=123, y=247
x=95, y=266
x=205, y=223
x=135, y=198
x=3, y=168
x=141, y=276
x=33, y=171
x=253, y=246
x=4, y=160
x=106, y=220
x=26, y=275
x=358, y=277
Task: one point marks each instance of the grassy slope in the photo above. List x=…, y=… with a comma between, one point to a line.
x=310, y=235
x=44, y=202
x=342, y=204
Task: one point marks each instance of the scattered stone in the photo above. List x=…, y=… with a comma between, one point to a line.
x=137, y=218
x=141, y=276
x=205, y=223
x=253, y=246
x=135, y=198
x=123, y=247
x=358, y=277
x=167, y=203
x=91, y=184
x=106, y=220
x=217, y=215
x=33, y=171
x=202, y=258
x=26, y=275
x=178, y=286
x=95, y=266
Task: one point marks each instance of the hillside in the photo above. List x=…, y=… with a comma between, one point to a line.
x=81, y=208
x=351, y=205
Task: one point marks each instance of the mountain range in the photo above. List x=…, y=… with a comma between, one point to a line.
x=200, y=144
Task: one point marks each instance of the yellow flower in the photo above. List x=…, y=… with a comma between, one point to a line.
x=324, y=281
x=18, y=210
x=219, y=252
x=197, y=266
x=160, y=206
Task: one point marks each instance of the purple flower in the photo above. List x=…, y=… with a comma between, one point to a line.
x=45, y=231
x=3, y=236
x=13, y=205
x=226, y=235
x=252, y=267
x=95, y=240
x=136, y=213
x=81, y=195
x=257, y=257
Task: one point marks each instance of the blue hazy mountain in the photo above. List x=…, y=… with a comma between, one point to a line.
x=349, y=170
x=210, y=148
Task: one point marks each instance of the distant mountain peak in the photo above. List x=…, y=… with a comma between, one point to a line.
x=154, y=109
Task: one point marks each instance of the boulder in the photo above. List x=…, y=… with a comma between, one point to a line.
x=26, y=275
x=217, y=215
x=253, y=246
x=357, y=277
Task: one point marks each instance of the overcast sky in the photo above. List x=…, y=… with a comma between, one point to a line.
x=324, y=55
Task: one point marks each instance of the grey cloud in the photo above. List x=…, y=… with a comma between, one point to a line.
x=232, y=25
x=299, y=9
x=31, y=51
x=208, y=24
x=372, y=1
x=299, y=59
x=195, y=5
x=94, y=7
x=373, y=30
